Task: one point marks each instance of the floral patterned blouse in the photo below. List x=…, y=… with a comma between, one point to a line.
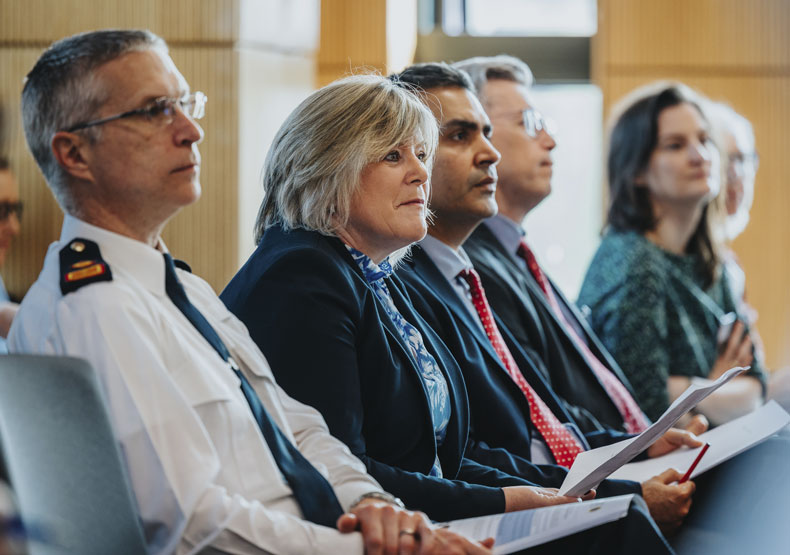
x=652, y=311
x=432, y=377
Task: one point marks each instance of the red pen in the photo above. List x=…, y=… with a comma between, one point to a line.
x=687, y=475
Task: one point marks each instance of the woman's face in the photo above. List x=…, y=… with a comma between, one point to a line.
x=390, y=207
x=680, y=170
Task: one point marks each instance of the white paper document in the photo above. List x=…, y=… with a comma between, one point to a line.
x=591, y=467
x=522, y=529
x=726, y=441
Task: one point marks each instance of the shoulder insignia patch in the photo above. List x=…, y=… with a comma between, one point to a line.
x=81, y=264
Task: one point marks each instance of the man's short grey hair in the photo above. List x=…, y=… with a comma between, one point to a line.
x=62, y=90
x=482, y=69
x=316, y=159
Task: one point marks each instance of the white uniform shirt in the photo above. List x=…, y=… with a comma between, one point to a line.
x=199, y=467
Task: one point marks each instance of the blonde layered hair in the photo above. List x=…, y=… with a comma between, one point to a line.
x=314, y=165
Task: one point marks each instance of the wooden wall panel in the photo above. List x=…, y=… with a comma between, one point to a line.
x=353, y=35
x=738, y=52
x=44, y=21
x=730, y=35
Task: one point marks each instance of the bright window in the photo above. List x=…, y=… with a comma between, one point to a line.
x=537, y=18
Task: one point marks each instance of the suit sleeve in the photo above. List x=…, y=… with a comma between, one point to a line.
x=303, y=313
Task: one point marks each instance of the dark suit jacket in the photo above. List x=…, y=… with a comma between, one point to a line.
x=518, y=299
x=331, y=345
x=499, y=410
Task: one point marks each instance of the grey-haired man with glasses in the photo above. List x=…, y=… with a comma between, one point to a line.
x=219, y=457
x=574, y=361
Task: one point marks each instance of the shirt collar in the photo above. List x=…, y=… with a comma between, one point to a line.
x=371, y=270
x=507, y=232
x=450, y=262
x=122, y=254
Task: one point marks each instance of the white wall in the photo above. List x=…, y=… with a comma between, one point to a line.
x=276, y=56
x=564, y=230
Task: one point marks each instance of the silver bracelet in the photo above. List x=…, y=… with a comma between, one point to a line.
x=380, y=495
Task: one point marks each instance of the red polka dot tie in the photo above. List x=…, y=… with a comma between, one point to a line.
x=563, y=446
x=635, y=420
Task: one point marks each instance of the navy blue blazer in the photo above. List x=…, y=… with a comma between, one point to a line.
x=520, y=302
x=331, y=345
x=499, y=410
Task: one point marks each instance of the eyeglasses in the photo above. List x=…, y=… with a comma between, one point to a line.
x=160, y=111
x=8, y=208
x=740, y=164
x=534, y=123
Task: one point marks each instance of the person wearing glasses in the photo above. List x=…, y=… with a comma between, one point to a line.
x=542, y=320
x=10, y=215
x=219, y=458
x=735, y=138
x=657, y=294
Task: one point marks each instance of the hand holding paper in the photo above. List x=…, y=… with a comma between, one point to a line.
x=726, y=441
x=592, y=467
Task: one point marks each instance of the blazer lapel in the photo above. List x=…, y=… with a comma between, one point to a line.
x=529, y=282
x=428, y=271
x=394, y=336
x=529, y=285
x=593, y=342
x=456, y=437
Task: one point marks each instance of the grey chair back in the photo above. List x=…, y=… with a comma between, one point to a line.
x=63, y=460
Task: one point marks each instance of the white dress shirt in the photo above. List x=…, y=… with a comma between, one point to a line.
x=452, y=262
x=201, y=472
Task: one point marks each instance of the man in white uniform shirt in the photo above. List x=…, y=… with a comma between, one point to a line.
x=111, y=123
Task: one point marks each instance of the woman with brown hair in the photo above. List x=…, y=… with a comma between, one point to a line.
x=656, y=291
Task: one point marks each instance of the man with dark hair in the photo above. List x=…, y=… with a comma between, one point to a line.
x=219, y=457
x=512, y=406
x=438, y=74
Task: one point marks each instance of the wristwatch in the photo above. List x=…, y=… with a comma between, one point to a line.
x=381, y=495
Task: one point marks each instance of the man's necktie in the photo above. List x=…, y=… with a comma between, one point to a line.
x=314, y=494
x=635, y=420
x=563, y=446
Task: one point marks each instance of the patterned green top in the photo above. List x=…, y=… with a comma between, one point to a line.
x=648, y=307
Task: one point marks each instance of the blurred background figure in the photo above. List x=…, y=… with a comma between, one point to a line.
x=658, y=295
x=735, y=136
x=10, y=213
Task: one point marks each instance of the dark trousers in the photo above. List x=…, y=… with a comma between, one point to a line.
x=742, y=506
